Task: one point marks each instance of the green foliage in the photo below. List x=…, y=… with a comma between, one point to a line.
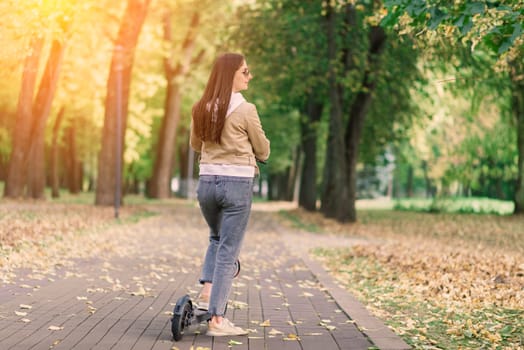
x=281, y=127
x=393, y=109
x=284, y=46
x=461, y=205
x=488, y=162
x=499, y=24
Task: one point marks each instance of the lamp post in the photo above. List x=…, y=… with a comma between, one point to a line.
x=119, y=55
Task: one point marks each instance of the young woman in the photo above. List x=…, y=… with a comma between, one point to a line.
x=227, y=132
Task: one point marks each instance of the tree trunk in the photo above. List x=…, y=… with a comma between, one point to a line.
x=518, y=111
x=41, y=111
x=427, y=180
x=278, y=186
x=119, y=79
x=163, y=167
x=55, y=180
x=409, y=182
x=17, y=167
x=159, y=186
x=308, y=128
x=334, y=193
x=183, y=162
x=74, y=166
x=358, y=112
x=292, y=177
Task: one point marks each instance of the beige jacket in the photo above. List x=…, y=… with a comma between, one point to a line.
x=243, y=140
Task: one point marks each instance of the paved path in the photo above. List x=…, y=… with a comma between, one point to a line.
x=123, y=298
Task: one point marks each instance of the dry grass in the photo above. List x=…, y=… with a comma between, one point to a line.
x=442, y=281
x=467, y=230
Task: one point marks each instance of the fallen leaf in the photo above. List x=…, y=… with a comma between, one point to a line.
x=140, y=292
x=274, y=331
x=266, y=323
x=18, y=313
x=292, y=336
x=327, y=326
x=55, y=328
x=25, y=307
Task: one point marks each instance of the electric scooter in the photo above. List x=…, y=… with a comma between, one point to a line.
x=187, y=313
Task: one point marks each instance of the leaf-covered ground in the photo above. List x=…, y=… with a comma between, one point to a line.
x=101, y=266
x=441, y=281
x=29, y=231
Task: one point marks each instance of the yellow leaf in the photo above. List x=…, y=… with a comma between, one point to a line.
x=292, y=336
x=266, y=323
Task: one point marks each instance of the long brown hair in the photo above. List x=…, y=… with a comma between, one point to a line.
x=209, y=113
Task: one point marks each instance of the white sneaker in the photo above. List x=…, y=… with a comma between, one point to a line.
x=225, y=328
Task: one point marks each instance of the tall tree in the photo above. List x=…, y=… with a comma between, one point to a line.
x=340, y=189
x=118, y=82
x=282, y=40
x=41, y=111
x=54, y=176
x=517, y=106
x=159, y=186
x=286, y=42
x=359, y=111
x=335, y=195
x=28, y=145
x=17, y=168
x=309, y=122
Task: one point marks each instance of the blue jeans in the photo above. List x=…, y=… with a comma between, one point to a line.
x=225, y=202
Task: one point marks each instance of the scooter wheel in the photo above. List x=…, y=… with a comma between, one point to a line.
x=237, y=265
x=182, y=316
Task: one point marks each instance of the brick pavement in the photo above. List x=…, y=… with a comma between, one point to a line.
x=123, y=298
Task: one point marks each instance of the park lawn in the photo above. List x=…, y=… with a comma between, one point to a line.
x=440, y=281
